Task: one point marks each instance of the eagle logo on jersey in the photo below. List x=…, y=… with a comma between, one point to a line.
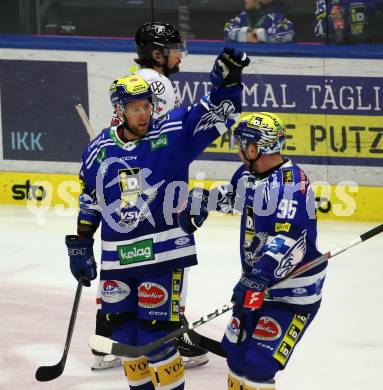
x=217, y=114
x=292, y=257
x=253, y=249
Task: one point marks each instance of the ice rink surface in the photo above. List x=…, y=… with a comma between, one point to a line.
x=342, y=350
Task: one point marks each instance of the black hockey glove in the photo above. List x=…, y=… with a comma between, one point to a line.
x=195, y=212
x=227, y=70
x=81, y=258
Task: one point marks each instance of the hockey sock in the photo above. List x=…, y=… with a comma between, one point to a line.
x=234, y=382
x=138, y=373
x=168, y=374
x=103, y=328
x=268, y=385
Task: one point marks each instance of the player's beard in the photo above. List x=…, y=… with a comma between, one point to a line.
x=174, y=69
x=140, y=130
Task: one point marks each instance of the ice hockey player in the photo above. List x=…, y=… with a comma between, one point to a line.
x=348, y=21
x=159, y=48
x=278, y=234
x=131, y=176
x=262, y=21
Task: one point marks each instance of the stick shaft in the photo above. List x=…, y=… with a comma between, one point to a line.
x=85, y=121
x=108, y=346
x=48, y=373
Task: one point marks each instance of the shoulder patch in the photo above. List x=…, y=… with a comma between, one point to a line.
x=159, y=142
x=287, y=176
x=101, y=155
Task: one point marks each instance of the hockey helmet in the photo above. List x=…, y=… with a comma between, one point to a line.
x=127, y=89
x=157, y=35
x=264, y=129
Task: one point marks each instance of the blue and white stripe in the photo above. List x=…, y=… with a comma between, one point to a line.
x=93, y=155
x=303, y=290
x=165, y=248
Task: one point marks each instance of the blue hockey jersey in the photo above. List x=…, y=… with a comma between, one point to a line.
x=345, y=20
x=278, y=211
x=270, y=24
x=134, y=188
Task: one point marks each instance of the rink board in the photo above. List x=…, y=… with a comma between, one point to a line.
x=332, y=107
x=40, y=192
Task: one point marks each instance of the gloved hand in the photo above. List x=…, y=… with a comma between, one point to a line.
x=249, y=292
x=227, y=69
x=81, y=258
x=195, y=212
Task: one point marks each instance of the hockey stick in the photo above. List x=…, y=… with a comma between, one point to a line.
x=85, y=121
x=48, y=373
x=214, y=346
x=110, y=347
x=103, y=344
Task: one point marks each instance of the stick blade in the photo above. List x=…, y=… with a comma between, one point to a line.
x=48, y=373
x=100, y=344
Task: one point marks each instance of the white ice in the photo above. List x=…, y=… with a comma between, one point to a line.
x=342, y=350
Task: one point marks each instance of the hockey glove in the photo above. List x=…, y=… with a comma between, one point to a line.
x=249, y=292
x=81, y=258
x=195, y=213
x=227, y=69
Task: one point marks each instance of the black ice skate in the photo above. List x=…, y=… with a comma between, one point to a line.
x=192, y=355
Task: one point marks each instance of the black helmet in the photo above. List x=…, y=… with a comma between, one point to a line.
x=156, y=35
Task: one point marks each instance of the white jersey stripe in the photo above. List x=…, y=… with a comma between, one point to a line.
x=90, y=163
x=157, y=237
x=299, y=300
x=162, y=132
x=96, y=149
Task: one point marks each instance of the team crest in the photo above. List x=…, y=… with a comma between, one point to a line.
x=130, y=186
x=292, y=257
x=135, y=200
x=258, y=242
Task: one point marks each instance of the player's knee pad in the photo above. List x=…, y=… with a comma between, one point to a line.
x=138, y=373
x=234, y=381
x=250, y=385
x=236, y=361
x=125, y=329
x=150, y=326
x=260, y=366
x=168, y=374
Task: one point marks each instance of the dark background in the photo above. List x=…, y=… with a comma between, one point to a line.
x=35, y=96
x=199, y=19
